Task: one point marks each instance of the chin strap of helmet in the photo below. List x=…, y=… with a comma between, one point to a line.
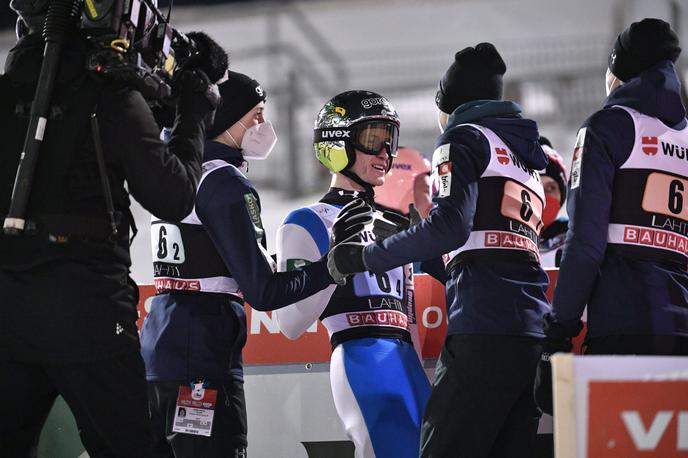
x=369, y=188
x=351, y=153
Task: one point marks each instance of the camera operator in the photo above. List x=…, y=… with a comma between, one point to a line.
x=68, y=309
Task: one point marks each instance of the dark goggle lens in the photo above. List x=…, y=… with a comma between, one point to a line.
x=371, y=137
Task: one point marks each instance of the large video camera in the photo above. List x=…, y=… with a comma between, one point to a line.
x=133, y=41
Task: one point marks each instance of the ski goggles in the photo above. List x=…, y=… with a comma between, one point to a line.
x=368, y=137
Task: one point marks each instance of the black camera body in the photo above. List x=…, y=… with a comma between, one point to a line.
x=132, y=41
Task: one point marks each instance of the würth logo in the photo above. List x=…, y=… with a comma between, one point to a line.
x=502, y=156
x=650, y=145
x=672, y=150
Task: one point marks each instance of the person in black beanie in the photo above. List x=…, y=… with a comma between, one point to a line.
x=626, y=251
x=205, y=267
x=639, y=47
x=485, y=224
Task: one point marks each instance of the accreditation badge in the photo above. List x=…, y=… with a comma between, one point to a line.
x=195, y=409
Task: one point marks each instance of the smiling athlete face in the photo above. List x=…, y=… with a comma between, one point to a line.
x=372, y=168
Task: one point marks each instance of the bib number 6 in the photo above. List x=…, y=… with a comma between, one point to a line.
x=665, y=194
x=166, y=243
x=676, y=197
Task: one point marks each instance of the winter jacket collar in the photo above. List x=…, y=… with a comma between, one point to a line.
x=476, y=109
x=216, y=150
x=504, y=119
x=656, y=92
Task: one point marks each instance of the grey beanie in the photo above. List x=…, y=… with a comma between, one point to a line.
x=32, y=12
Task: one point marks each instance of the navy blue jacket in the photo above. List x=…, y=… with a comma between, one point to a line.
x=190, y=336
x=484, y=295
x=625, y=296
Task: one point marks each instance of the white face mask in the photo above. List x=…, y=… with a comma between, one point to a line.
x=442, y=119
x=258, y=141
x=611, y=82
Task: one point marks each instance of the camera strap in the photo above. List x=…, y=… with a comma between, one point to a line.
x=102, y=171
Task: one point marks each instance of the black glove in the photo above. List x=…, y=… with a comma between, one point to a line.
x=197, y=97
x=557, y=330
x=346, y=256
x=351, y=221
x=392, y=222
x=543, y=375
x=346, y=259
x=389, y=224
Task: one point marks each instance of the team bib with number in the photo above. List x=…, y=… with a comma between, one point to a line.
x=510, y=204
x=390, y=283
x=369, y=301
x=167, y=244
x=649, y=215
x=184, y=257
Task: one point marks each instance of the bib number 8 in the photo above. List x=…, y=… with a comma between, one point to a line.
x=167, y=245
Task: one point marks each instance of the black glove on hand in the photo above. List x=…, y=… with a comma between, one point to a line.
x=346, y=259
x=351, y=221
x=196, y=95
x=393, y=222
x=543, y=376
x=389, y=224
x=346, y=256
x=555, y=329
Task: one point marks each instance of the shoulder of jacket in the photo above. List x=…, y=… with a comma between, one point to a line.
x=606, y=117
x=309, y=217
x=226, y=184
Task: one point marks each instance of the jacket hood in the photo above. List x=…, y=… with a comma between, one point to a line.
x=655, y=92
x=504, y=119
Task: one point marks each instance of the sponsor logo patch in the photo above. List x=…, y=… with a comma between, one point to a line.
x=369, y=103
x=442, y=170
x=174, y=284
x=495, y=239
x=378, y=318
x=656, y=238
x=502, y=156
x=577, y=159
x=293, y=264
x=650, y=145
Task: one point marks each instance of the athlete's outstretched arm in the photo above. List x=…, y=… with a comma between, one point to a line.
x=301, y=240
x=221, y=206
x=449, y=223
